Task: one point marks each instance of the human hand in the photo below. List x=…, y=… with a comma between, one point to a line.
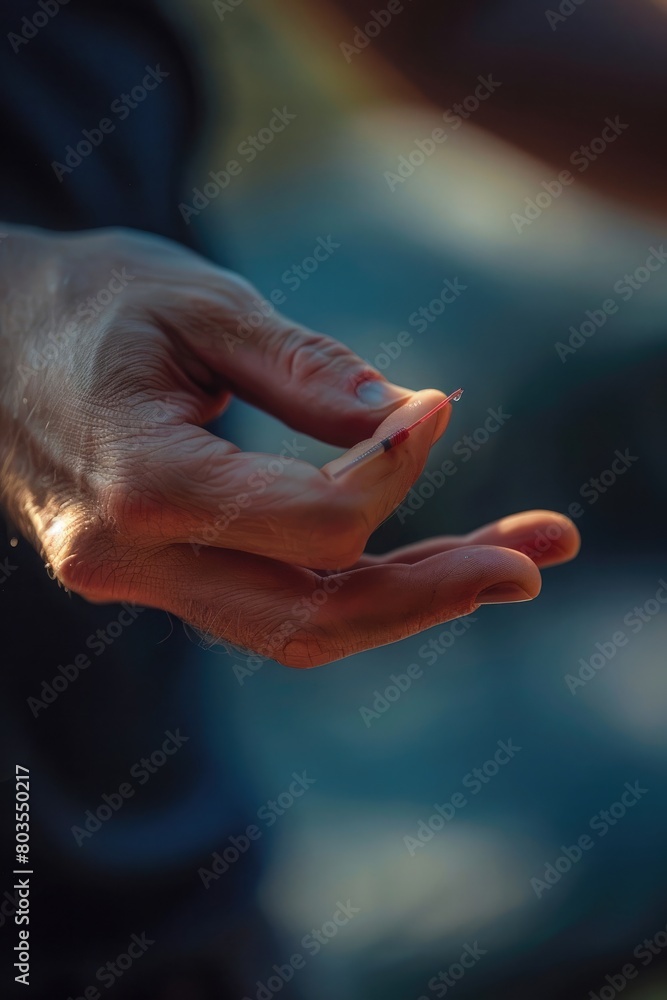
x=116, y=348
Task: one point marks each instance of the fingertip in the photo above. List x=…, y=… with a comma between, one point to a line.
x=545, y=536
x=420, y=407
x=441, y=422
x=406, y=457
x=511, y=574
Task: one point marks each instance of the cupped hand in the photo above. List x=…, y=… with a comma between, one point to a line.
x=117, y=349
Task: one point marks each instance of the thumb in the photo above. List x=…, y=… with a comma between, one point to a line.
x=311, y=382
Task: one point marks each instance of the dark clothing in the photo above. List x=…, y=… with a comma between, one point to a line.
x=98, y=114
x=78, y=70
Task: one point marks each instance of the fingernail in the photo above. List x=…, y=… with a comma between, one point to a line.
x=503, y=593
x=378, y=393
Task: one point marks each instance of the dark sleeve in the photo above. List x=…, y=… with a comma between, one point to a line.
x=98, y=115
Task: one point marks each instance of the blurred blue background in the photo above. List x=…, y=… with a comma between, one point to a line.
x=505, y=677
x=491, y=900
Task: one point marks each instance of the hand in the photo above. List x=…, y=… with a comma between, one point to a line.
x=117, y=348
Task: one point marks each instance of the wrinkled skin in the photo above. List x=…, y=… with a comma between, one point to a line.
x=108, y=470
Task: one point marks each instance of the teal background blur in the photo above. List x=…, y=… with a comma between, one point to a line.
x=504, y=678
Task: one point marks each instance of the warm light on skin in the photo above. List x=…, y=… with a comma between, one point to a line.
x=54, y=525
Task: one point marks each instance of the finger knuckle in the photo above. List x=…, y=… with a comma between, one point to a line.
x=307, y=357
x=305, y=648
x=82, y=554
x=130, y=507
